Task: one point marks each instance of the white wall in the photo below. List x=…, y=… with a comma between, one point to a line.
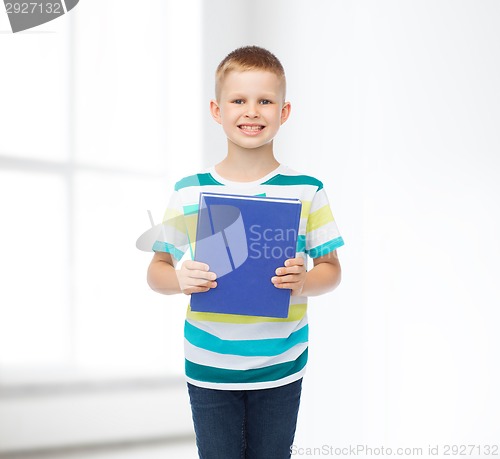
x=225, y=27
x=396, y=108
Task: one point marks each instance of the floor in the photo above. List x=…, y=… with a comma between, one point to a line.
x=183, y=450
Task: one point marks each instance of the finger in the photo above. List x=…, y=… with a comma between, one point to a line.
x=291, y=278
x=197, y=282
x=199, y=288
x=286, y=285
x=196, y=290
x=291, y=270
x=197, y=274
x=191, y=264
x=297, y=261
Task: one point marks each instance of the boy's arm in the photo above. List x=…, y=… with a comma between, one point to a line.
x=323, y=277
x=193, y=277
x=161, y=274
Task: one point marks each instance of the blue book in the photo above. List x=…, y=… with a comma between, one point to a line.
x=243, y=239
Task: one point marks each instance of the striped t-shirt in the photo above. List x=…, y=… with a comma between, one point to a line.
x=238, y=352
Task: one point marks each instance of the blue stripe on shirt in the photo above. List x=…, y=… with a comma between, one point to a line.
x=325, y=248
x=249, y=348
x=160, y=246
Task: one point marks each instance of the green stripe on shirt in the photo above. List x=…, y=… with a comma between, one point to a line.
x=280, y=179
x=255, y=375
x=196, y=180
x=191, y=209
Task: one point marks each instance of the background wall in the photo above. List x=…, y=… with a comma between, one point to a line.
x=395, y=107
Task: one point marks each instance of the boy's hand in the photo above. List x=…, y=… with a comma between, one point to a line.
x=292, y=276
x=195, y=277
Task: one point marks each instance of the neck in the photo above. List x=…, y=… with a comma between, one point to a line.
x=247, y=165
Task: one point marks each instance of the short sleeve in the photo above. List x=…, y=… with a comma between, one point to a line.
x=172, y=237
x=322, y=233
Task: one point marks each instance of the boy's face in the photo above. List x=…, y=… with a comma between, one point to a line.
x=251, y=107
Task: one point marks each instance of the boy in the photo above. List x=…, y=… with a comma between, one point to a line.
x=244, y=373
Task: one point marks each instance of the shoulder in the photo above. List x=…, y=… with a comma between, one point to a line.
x=196, y=180
x=288, y=176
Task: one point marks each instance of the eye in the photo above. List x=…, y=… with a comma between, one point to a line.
x=238, y=101
x=265, y=102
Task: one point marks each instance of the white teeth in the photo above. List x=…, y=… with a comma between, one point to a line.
x=251, y=128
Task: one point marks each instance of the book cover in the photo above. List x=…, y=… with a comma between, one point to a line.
x=244, y=239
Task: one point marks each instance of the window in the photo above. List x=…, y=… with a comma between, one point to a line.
x=94, y=116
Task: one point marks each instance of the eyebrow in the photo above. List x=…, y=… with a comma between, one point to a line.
x=239, y=95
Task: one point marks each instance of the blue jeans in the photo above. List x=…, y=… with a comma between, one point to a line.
x=245, y=424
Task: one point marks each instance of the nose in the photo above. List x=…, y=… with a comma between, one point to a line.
x=252, y=111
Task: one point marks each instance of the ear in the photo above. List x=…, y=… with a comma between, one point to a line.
x=285, y=111
x=215, y=111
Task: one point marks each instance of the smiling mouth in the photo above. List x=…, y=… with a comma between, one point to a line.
x=251, y=127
